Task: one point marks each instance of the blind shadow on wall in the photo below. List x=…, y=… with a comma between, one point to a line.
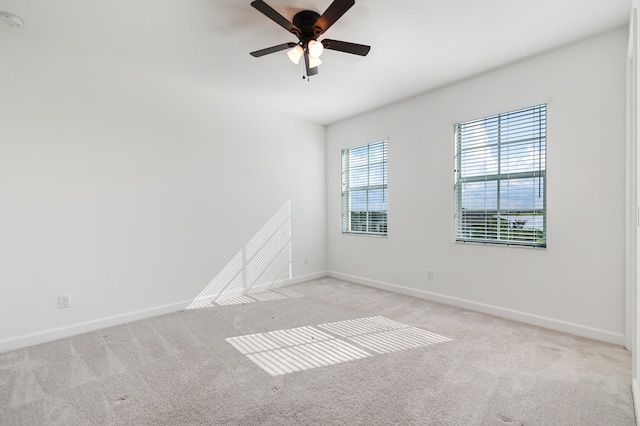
x=262, y=264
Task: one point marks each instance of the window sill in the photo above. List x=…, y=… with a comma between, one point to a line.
x=477, y=243
x=362, y=234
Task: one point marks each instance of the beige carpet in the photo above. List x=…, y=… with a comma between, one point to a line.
x=325, y=352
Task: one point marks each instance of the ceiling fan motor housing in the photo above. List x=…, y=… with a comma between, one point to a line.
x=305, y=20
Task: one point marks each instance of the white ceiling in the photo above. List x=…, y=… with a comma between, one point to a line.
x=417, y=45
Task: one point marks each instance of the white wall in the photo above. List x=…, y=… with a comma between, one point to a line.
x=633, y=183
x=577, y=283
x=131, y=192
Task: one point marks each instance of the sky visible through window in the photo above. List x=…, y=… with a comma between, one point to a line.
x=367, y=168
x=501, y=177
x=364, y=189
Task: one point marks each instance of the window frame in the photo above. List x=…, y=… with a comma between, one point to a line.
x=462, y=231
x=347, y=192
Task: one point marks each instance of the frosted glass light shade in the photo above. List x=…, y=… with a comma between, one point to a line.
x=315, y=48
x=295, y=54
x=314, y=62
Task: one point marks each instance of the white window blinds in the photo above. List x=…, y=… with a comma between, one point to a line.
x=500, y=178
x=364, y=189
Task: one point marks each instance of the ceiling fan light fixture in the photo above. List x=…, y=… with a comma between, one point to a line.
x=315, y=48
x=307, y=26
x=295, y=54
x=314, y=61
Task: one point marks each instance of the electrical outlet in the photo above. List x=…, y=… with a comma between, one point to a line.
x=64, y=301
x=430, y=274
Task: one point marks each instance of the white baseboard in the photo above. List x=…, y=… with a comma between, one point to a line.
x=551, y=323
x=635, y=390
x=302, y=278
x=97, y=324
x=52, y=334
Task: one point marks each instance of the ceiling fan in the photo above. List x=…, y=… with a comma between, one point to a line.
x=308, y=25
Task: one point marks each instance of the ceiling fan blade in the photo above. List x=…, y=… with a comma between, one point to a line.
x=310, y=71
x=345, y=46
x=272, y=49
x=332, y=14
x=271, y=13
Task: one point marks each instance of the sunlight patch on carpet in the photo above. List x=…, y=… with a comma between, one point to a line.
x=304, y=357
x=265, y=296
x=268, y=295
x=239, y=300
x=383, y=335
x=297, y=349
x=398, y=340
x=361, y=326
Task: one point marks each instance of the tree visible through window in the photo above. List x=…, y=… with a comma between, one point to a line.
x=500, y=178
x=364, y=189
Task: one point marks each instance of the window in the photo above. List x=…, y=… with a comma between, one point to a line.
x=500, y=179
x=364, y=189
